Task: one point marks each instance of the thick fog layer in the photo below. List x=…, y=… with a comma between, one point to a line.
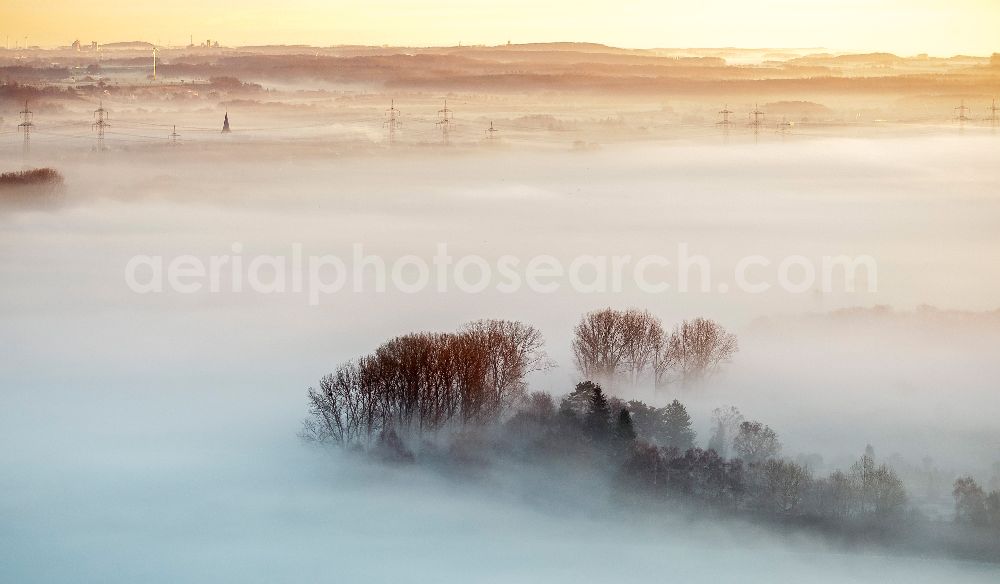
x=152, y=437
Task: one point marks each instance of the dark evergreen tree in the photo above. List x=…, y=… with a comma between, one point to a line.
x=579, y=400
x=677, y=426
x=566, y=413
x=598, y=420
x=624, y=430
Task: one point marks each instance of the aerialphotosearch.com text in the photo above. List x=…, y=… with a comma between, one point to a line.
x=319, y=276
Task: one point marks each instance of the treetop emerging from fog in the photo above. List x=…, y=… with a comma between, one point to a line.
x=629, y=347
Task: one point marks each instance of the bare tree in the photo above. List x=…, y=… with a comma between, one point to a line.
x=725, y=425
x=694, y=351
x=835, y=495
x=512, y=350
x=617, y=346
x=421, y=382
x=878, y=490
x=785, y=485
x=538, y=404
x=642, y=341
x=342, y=410
x=756, y=442
x=597, y=345
x=970, y=501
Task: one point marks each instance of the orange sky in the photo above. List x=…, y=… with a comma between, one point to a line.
x=902, y=26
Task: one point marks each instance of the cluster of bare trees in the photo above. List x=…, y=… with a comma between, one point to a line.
x=754, y=442
x=628, y=347
x=866, y=489
x=696, y=349
x=611, y=346
x=425, y=381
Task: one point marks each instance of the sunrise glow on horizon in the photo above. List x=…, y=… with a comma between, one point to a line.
x=904, y=27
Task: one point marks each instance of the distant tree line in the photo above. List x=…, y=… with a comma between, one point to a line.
x=31, y=177
x=653, y=450
x=30, y=187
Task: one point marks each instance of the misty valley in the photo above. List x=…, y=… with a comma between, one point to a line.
x=458, y=402
x=537, y=312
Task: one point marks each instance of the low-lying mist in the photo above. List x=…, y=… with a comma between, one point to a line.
x=153, y=437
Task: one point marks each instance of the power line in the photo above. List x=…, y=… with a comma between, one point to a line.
x=424, y=132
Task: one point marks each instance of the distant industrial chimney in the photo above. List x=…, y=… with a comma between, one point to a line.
x=225, y=124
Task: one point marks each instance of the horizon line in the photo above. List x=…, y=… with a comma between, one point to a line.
x=462, y=45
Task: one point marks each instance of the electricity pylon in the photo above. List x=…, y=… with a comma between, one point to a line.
x=784, y=126
x=174, y=136
x=491, y=132
x=100, y=123
x=725, y=112
x=994, y=119
x=725, y=123
x=962, y=116
x=756, y=121
x=25, y=126
x=155, y=52
x=391, y=122
x=445, y=123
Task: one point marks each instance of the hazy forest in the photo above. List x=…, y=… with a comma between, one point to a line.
x=458, y=401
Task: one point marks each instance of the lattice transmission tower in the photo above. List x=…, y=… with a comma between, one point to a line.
x=100, y=124
x=391, y=123
x=444, y=121
x=27, y=123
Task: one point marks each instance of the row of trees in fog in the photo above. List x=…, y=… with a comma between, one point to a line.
x=461, y=398
x=616, y=347
x=422, y=382
x=973, y=505
x=471, y=382
x=653, y=450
